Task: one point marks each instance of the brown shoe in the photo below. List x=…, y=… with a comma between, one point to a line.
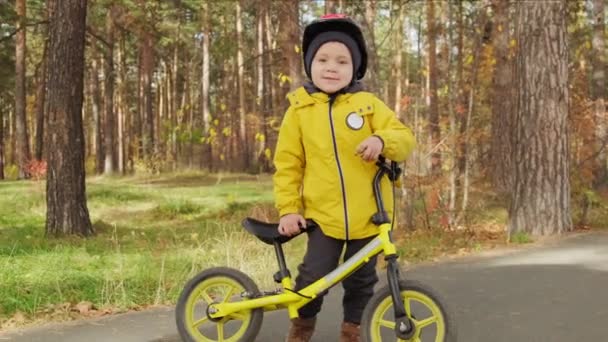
x=301, y=329
x=350, y=332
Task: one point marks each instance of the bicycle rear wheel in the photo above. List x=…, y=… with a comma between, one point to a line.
x=217, y=285
x=424, y=307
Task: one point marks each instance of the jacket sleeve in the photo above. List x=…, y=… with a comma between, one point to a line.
x=399, y=141
x=289, y=161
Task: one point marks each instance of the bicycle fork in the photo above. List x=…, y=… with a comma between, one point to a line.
x=404, y=327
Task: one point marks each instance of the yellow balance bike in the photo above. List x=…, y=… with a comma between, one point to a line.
x=224, y=304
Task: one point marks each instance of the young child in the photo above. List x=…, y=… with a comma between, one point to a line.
x=330, y=137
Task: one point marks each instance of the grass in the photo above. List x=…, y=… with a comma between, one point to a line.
x=521, y=238
x=153, y=234
x=432, y=244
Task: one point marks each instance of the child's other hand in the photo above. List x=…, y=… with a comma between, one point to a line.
x=290, y=224
x=370, y=148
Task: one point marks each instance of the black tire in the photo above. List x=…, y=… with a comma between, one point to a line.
x=244, y=281
x=368, y=326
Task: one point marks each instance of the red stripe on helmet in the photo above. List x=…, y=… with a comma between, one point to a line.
x=333, y=16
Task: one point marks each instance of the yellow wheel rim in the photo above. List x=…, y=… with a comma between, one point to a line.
x=215, y=290
x=383, y=317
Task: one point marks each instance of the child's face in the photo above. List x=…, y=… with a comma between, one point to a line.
x=332, y=67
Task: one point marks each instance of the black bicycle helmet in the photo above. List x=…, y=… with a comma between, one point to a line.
x=339, y=23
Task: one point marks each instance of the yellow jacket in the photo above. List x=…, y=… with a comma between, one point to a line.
x=317, y=171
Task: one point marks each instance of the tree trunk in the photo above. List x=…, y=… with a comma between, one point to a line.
x=146, y=71
x=434, y=128
x=452, y=95
x=172, y=117
x=138, y=119
x=189, y=115
x=182, y=121
x=2, y=109
x=242, y=136
x=599, y=93
x=501, y=99
x=67, y=211
x=332, y=6
x=464, y=128
x=260, y=137
x=462, y=94
x=109, y=117
x=161, y=100
x=95, y=107
x=400, y=12
x=289, y=63
x=271, y=90
x=289, y=35
x=121, y=107
x=177, y=96
x=541, y=190
x=22, y=147
x=369, y=32
x=207, y=145
x=11, y=136
x=40, y=98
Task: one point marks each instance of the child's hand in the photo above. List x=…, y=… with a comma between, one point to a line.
x=370, y=148
x=290, y=224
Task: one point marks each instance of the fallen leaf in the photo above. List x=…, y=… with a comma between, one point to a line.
x=18, y=317
x=83, y=307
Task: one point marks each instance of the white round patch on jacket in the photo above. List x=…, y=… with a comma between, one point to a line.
x=354, y=121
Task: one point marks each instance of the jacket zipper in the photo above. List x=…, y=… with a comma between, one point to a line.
x=333, y=136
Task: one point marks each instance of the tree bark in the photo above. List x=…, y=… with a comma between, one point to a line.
x=67, y=211
x=22, y=147
x=502, y=93
x=599, y=93
x=121, y=107
x=452, y=95
x=260, y=134
x=109, y=117
x=207, y=145
x=2, y=109
x=398, y=36
x=242, y=136
x=177, y=89
x=434, y=128
x=465, y=158
x=138, y=119
x=332, y=6
x=95, y=108
x=40, y=98
x=172, y=116
x=289, y=35
x=146, y=71
x=11, y=136
x=189, y=115
x=369, y=30
x=462, y=95
x=541, y=191
x=270, y=86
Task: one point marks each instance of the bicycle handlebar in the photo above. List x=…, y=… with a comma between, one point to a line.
x=393, y=171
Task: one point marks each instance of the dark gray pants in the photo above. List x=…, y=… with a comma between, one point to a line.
x=323, y=256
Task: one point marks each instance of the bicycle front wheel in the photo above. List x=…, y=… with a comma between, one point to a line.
x=217, y=285
x=423, y=306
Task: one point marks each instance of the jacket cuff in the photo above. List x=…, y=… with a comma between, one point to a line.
x=288, y=210
x=381, y=140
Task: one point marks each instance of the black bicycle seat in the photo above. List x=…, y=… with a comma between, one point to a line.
x=269, y=232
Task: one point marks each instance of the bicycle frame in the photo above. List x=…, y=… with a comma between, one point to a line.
x=293, y=300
